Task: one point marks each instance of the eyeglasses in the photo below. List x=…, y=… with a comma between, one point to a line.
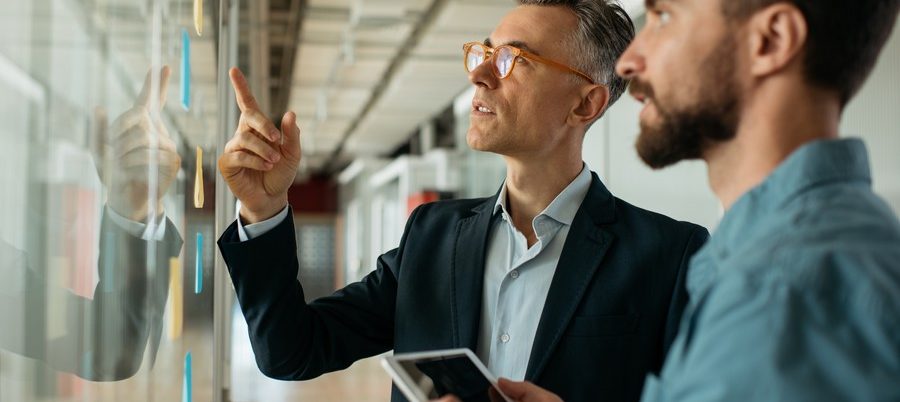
x=505, y=57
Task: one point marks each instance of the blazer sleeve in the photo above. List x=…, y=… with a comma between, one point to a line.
x=293, y=340
x=697, y=239
x=106, y=336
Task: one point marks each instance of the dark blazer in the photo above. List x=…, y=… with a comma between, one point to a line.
x=612, y=310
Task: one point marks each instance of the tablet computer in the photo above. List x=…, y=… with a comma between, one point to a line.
x=430, y=375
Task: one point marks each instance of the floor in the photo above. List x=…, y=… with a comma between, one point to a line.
x=364, y=381
x=27, y=380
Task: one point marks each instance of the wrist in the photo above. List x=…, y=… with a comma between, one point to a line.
x=270, y=209
x=137, y=212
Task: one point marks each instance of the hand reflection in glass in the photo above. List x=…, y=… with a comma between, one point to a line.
x=139, y=142
x=104, y=334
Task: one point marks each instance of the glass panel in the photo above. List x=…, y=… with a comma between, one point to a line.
x=102, y=120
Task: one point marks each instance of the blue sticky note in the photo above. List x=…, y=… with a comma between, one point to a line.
x=186, y=394
x=198, y=277
x=185, y=69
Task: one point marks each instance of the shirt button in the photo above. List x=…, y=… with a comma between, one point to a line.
x=504, y=338
x=514, y=274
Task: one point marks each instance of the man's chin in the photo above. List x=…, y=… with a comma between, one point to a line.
x=655, y=151
x=477, y=142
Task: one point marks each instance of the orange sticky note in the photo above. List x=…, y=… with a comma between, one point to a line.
x=198, y=16
x=198, y=180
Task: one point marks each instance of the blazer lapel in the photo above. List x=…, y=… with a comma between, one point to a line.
x=467, y=274
x=585, y=247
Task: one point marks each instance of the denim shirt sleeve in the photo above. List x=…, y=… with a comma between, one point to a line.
x=756, y=339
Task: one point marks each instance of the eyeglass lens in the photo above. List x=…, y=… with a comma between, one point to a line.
x=474, y=57
x=503, y=59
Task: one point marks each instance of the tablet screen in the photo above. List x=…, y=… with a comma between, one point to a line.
x=450, y=374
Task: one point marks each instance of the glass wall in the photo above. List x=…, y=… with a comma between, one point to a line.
x=107, y=209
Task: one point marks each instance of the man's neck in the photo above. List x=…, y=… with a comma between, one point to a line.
x=773, y=125
x=531, y=185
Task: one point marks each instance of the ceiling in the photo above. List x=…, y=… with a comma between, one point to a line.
x=369, y=72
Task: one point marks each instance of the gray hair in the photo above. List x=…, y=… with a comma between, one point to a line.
x=604, y=32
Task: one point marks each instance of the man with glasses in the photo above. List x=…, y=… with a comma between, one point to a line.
x=553, y=279
x=797, y=295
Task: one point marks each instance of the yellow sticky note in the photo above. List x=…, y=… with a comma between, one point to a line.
x=176, y=299
x=198, y=16
x=198, y=180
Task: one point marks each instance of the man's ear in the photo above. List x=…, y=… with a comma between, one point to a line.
x=778, y=36
x=594, y=101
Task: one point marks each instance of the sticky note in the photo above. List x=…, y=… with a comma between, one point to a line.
x=185, y=69
x=198, y=180
x=176, y=299
x=198, y=16
x=198, y=277
x=186, y=391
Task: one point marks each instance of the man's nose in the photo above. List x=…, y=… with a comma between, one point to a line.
x=631, y=63
x=483, y=75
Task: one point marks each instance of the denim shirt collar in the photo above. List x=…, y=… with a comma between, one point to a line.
x=813, y=165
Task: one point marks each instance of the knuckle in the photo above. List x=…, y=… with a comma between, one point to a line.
x=243, y=136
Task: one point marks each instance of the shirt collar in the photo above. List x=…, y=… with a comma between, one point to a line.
x=565, y=205
x=816, y=164
x=813, y=165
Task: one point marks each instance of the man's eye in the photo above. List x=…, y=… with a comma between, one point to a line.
x=663, y=17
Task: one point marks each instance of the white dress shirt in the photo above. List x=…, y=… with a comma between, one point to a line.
x=517, y=278
x=154, y=231
x=259, y=228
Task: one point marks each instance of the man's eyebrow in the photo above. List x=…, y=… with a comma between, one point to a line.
x=522, y=45
x=653, y=3
x=515, y=43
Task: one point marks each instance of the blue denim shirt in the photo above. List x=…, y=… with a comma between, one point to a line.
x=796, y=297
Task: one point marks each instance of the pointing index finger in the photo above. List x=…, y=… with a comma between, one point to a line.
x=164, y=75
x=245, y=99
x=143, y=98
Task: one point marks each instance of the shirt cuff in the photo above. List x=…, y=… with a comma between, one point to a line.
x=259, y=228
x=155, y=231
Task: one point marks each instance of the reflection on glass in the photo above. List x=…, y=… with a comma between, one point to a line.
x=94, y=202
x=106, y=327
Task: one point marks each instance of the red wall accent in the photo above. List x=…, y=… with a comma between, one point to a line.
x=317, y=195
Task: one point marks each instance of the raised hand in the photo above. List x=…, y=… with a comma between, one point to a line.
x=259, y=163
x=128, y=154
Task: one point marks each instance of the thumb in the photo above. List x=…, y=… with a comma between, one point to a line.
x=290, y=134
x=513, y=389
x=525, y=391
